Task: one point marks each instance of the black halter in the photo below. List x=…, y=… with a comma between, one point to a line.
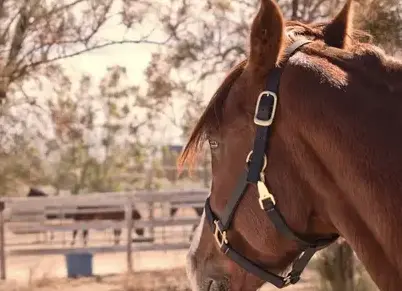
x=257, y=161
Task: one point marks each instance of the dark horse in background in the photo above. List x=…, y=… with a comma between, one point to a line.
x=118, y=215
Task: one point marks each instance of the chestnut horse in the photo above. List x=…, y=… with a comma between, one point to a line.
x=328, y=104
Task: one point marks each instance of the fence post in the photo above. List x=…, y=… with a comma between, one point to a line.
x=2, y=243
x=129, y=224
x=151, y=216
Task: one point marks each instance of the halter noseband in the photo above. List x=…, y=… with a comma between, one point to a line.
x=257, y=162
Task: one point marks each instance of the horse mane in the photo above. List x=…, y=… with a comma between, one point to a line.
x=213, y=112
x=211, y=115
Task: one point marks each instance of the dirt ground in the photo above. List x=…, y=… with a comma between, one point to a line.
x=153, y=271
x=162, y=280
x=23, y=268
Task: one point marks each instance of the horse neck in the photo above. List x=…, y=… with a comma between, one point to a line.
x=349, y=149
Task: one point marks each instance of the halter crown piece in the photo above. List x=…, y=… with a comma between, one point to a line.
x=257, y=162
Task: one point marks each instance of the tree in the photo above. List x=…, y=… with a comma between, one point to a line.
x=19, y=163
x=381, y=16
x=97, y=133
x=36, y=34
x=36, y=39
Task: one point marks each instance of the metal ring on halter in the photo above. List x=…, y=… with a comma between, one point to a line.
x=265, y=160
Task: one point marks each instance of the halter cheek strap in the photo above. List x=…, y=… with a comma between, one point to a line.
x=257, y=162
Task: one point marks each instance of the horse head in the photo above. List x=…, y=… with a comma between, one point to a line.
x=305, y=148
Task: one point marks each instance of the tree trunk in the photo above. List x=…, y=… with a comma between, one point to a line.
x=295, y=8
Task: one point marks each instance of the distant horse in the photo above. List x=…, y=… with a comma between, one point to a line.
x=306, y=147
x=118, y=215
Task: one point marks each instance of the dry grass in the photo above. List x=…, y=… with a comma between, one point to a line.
x=172, y=280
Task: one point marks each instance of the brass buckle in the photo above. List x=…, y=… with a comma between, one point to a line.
x=265, y=160
x=264, y=194
x=271, y=119
x=220, y=236
x=287, y=280
x=262, y=188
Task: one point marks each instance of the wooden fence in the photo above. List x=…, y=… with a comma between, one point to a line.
x=25, y=216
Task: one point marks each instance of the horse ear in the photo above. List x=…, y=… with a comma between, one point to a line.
x=337, y=32
x=266, y=38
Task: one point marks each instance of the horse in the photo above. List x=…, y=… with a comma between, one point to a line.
x=118, y=215
x=107, y=215
x=304, y=135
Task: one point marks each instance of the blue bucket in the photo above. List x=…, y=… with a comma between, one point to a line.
x=79, y=265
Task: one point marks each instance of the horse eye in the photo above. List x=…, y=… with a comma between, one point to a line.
x=213, y=144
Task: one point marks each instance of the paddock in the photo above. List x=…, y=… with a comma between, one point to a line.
x=26, y=230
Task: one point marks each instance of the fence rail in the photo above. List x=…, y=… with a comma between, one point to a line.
x=110, y=198
x=34, y=227
x=28, y=215
x=101, y=249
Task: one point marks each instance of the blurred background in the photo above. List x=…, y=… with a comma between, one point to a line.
x=100, y=96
